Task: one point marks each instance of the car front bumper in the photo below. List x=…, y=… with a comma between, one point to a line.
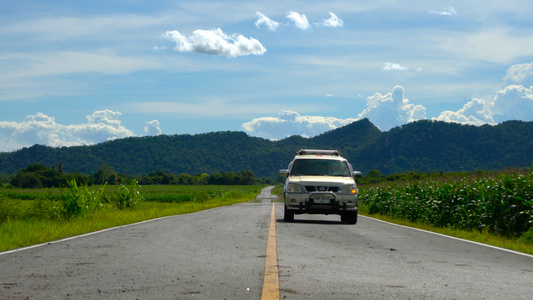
x=310, y=204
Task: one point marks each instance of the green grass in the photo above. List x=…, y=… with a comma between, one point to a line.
x=29, y=222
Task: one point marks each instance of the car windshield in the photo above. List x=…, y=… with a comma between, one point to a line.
x=324, y=167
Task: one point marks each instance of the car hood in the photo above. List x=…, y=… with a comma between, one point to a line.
x=322, y=180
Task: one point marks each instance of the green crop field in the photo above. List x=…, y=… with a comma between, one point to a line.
x=33, y=216
x=497, y=207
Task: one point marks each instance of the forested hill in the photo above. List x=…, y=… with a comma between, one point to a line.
x=420, y=146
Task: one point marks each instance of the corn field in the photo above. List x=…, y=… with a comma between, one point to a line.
x=501, y=204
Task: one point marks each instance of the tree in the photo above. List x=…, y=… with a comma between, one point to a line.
x=184, y=179
x=229, y=178
x=248, y=177
x=105, y=174
x=26, y=180
x=37, y=176
x=200, y=179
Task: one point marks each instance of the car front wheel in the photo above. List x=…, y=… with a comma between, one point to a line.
x=288, y=216
x=349, y=217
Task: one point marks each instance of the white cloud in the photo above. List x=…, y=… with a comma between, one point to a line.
x=521, y=74
x=107, y=117
x=43, y=129
x=394, y=67
x=397, y=67
x=333, y=21
x=215, y=42
x=384, y=111
x=475, y=112
x=392, y=109
x=152, y=128
x=514, y=102
x=447, y=11
x=300, y=20
x=289, y=123
x=266, y=21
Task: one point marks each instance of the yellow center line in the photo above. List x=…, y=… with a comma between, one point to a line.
x=271, y=280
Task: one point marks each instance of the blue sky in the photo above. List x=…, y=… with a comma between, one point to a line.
x=84, y=72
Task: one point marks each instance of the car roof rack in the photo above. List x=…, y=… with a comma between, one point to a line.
x=318, y=152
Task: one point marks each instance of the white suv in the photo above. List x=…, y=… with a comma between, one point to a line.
x=320, y=182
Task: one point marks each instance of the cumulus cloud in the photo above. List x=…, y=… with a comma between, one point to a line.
x=447, y=11
x=333, y=21
x=475, y=112
x=392, y=109
x=263, y=20
x=300, y=20
x=43, y=129
x=514, y=102
x=152, y=128
x=107, y=117
x=384, y=111
x=289, y=123
x=521, y=74
x=215, y=42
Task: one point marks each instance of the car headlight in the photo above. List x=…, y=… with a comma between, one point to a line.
x=294, y=188
x=349, y=190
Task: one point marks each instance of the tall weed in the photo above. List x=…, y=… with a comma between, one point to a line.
x=78, y=200
x=128, y=196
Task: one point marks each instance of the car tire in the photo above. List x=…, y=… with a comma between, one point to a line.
x=288, y=216
x=350, y=217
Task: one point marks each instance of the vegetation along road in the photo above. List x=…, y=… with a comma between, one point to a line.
x=222, y=253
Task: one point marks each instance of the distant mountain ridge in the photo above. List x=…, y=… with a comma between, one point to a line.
x=419, y=146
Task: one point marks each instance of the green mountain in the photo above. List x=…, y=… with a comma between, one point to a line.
x=438, y=146
x=419, y=146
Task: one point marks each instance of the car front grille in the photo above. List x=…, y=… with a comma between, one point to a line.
x=311, y=188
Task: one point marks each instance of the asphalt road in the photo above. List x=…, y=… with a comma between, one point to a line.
x=220, y=254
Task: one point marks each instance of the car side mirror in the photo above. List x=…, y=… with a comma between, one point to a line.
x=283, y=172
x=357, y=174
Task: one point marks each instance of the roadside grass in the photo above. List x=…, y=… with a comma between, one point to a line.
x=29, y=222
